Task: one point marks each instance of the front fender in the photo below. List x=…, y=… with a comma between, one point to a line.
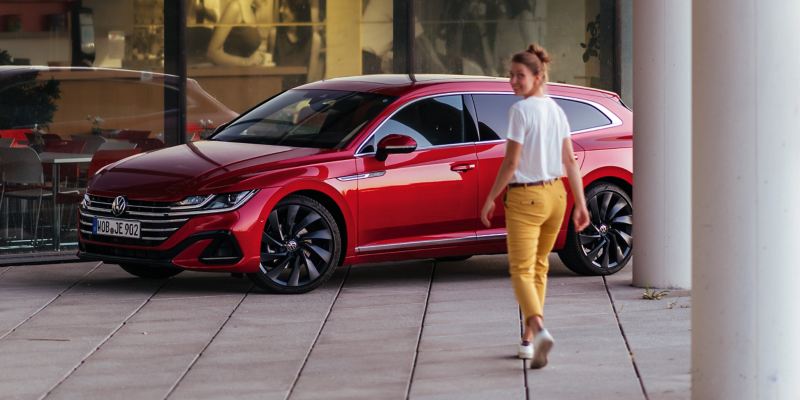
x=343, y=195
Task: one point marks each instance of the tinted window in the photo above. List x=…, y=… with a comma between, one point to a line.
x=581, y=115
x=431, y=122
x=492, y=112
x=306, y=118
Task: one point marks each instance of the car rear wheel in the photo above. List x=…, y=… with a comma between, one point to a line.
x=149, y=272
x=606, y=245
x=300, y=247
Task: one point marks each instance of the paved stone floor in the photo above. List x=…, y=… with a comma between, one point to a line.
x=419, y=330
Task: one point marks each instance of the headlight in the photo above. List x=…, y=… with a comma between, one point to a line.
x=229, y=200
x=193, y=201
x=86, y=201
x=215, y=202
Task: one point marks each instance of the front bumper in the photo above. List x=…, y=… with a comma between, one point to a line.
x=224, y=242
x=216, y=249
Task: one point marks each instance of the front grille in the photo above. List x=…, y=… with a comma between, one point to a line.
x=156, y=222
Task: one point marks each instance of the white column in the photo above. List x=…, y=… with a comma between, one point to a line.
x=662, y=88
x=746, y=200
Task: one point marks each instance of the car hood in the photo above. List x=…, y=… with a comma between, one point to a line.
x=184, y=170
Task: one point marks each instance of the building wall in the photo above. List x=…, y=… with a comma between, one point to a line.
x=277, y=45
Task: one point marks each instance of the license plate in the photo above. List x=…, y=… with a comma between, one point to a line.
x=116, y=227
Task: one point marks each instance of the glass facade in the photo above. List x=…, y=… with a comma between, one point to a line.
x=59, y=124
x=478, y=37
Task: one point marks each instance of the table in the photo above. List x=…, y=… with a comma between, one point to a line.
x=56, y=160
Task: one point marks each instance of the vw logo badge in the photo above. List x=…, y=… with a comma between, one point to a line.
x=119, y=205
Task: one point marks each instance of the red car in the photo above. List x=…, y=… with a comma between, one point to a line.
x=347, y=171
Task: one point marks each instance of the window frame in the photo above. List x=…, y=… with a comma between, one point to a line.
x=465, y=120
x=615, y=120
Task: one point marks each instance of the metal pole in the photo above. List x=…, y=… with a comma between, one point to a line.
x=410, y=41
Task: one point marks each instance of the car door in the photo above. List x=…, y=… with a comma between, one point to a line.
x=491, y=110
x=426, y=198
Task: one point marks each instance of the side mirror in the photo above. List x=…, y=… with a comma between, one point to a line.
x=394, y=144
x=217, y=129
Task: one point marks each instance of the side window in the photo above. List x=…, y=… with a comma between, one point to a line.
x=492, y=112
x=431, y=122
x=581, y=115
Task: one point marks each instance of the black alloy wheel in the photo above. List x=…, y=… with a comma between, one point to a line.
x=606, y=245
x=149, y=272
x=300, y=247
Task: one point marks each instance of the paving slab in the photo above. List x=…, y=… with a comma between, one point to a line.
x=419, y=330
x=146, y=357
x=24, y=291
x=659, y=333
x=49, y=346
x=258, y=356
x=467, y=347
x=376, y=368
x=590, y=359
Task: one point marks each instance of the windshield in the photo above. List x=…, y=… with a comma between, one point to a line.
x=306, y=118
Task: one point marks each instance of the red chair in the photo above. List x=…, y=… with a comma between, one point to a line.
x=194, y=131
x=105, y=157
x=17, y=135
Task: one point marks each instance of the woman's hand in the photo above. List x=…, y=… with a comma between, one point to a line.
x=257, y=58
x=504, y=175
x=580, y=217
x=486, y=212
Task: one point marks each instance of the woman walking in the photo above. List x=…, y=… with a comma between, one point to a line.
x=538, y=151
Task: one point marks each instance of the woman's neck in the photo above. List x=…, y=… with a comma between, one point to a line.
x=538, y=92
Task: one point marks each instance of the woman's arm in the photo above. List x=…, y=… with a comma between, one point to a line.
x=504, y=175
x=216, y=52
x=580, y=217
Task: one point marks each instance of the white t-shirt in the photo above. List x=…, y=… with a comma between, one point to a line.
x=540, y=126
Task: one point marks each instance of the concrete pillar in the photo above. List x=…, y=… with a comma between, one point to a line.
x=746, y=200
x=662, y=54
x=624, y=34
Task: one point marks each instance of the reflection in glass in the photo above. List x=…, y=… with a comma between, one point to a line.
x=307, y=118
x=478, y=37
x=67, y=123
x=235, y=45
x=430, y=122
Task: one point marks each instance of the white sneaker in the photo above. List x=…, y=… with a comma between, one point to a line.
x=542, y=343
x=525, y=352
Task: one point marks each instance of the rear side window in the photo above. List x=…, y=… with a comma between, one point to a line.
x=581, y=115
x=492, y=110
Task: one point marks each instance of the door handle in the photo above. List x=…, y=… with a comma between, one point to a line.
x=575, y=156
x=462, y=167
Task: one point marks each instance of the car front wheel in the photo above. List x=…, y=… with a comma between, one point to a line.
x=300, y=247
x=606, y=245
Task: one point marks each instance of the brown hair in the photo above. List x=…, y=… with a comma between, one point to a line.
x=535, y=58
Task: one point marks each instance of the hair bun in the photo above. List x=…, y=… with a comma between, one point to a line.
x=540, y=52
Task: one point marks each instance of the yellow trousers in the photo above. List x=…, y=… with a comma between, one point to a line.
x=533, y=219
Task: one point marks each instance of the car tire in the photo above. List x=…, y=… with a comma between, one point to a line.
x=300, y=247
x=606, y=245
x=149, y=272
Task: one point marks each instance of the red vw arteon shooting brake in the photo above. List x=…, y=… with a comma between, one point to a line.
x=351, y=170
